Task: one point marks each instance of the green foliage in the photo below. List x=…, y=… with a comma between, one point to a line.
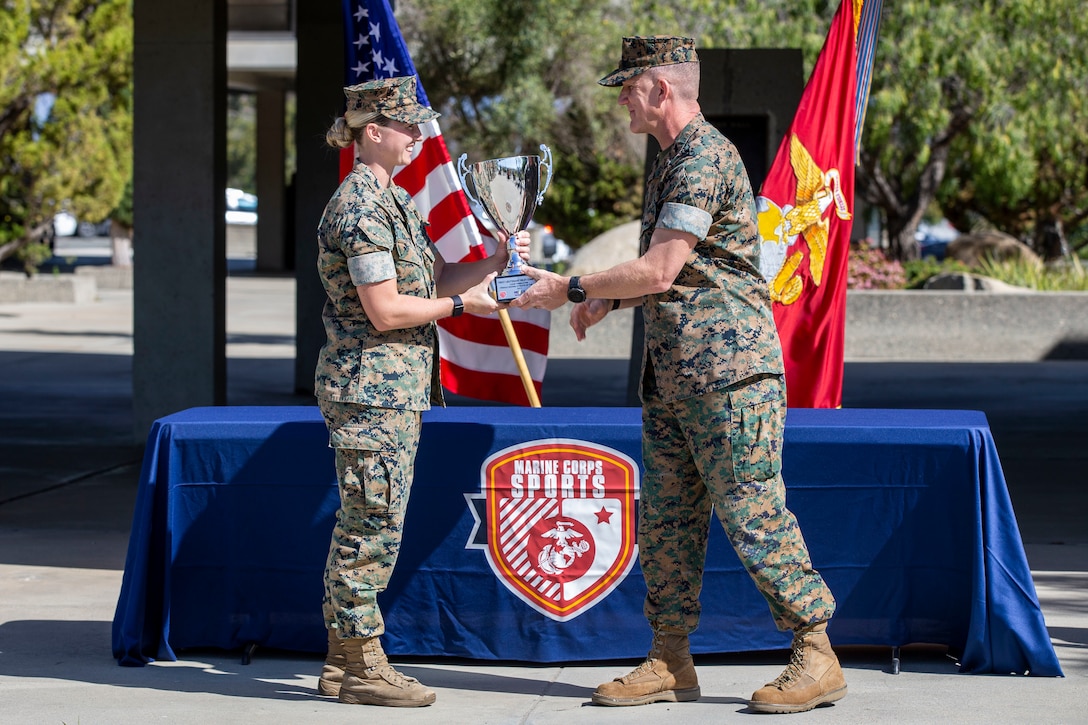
x=11, y=219
x=32, y=256
x=1078, y=241
x=919, y=270
x=595, y=197
x=78, y=153
x=242, y=141
x=1021, y=164
x=739, y=23
x=1065, y=276
x=979, y=107
x=122, y=213
x=509, y=76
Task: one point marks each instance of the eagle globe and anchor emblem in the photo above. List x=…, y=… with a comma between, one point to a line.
x=779, y=227
x=570, y=544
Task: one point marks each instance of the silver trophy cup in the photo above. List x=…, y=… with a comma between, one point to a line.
x=509, y=190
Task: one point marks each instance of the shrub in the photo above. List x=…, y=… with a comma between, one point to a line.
x=33, y=255
x=869, y=268
x=1066, y=275
x=920, y=270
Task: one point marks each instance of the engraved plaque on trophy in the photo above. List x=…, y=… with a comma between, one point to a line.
x=509, y=190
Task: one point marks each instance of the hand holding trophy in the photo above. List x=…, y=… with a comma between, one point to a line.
x=509, y=190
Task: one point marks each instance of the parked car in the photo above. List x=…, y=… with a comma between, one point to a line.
x=64, y=224
x=241, y=207
x=547, y=249
x=89, y=229
x=933, y=239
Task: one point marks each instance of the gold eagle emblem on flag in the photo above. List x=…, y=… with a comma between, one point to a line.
x=779, y=227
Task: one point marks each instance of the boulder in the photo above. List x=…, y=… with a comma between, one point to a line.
x=619, y=244
x=967, y=282
x=972, y=248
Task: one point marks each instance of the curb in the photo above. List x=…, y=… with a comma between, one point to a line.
x=16, y=287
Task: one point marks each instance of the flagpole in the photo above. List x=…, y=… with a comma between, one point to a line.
x=519, y=359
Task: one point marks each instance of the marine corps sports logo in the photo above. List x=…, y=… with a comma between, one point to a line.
x=556, y=520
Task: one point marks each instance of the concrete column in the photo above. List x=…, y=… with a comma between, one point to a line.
x=319, y=81
x=271, y=247
x=179, y=139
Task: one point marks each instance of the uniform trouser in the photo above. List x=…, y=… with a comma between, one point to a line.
x=375, y=454
x=721, y=450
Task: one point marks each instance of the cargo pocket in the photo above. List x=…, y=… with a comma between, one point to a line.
x=756, y=433
x=363, y=467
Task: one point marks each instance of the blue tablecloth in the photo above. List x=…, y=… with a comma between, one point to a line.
x=905, y=512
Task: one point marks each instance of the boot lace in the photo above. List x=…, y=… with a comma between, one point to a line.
x=793, y=670
x=657, y=649
x=394, y=677
x=645, y=668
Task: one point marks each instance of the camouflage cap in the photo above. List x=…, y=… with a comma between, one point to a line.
x=642, y=53
x=394, y=98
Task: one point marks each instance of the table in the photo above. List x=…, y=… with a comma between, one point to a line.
x=905, y=512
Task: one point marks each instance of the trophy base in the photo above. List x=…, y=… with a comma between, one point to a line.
x=508, y=287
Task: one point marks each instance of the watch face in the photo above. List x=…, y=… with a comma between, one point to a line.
x=575, y=293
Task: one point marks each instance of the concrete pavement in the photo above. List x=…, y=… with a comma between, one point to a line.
x=68, y=473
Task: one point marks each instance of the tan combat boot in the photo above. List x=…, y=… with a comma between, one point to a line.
x=332, y=673
x=369, y=679
x=813, y=676
x=667, y=675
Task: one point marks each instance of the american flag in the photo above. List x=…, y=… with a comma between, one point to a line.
x=476, y=360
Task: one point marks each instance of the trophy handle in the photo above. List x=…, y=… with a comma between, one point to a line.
x=463, y=173
x=547, y=163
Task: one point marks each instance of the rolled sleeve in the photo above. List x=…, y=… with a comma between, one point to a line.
x=371, y=268
x=684, y=218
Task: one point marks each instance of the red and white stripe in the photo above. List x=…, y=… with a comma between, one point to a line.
x=476, y=360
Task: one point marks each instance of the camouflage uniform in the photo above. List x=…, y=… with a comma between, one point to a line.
x=371, y=387
x=713, y=398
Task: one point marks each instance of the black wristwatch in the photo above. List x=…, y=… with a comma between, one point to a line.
x=575, y=293
x=458, y=306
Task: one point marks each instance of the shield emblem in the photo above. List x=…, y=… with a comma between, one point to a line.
x=556, y=521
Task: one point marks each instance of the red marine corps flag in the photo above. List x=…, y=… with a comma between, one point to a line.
x=477, y=361
x=806, y=206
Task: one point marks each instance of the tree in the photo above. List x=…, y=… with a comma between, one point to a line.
x=977, y=109
x=65, y=113
x=509, y=75
x=242, y=141
x=1021, y=166
x=739, y=23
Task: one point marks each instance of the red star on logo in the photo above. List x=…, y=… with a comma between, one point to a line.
x=604, y=516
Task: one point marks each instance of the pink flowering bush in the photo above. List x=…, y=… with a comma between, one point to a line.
x=868, y=268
